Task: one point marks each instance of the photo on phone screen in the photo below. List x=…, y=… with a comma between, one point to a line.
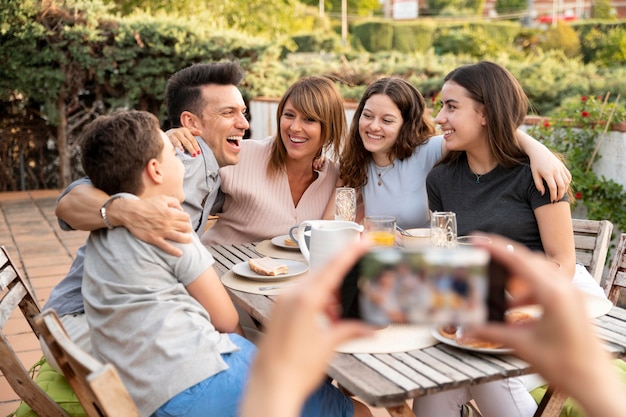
x=429, y=286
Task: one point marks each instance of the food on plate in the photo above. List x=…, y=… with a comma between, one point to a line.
x=267, y=266
x=463, y=339
x=289, y=242
x=519, y=317
x=456, y=333
x=448, y=331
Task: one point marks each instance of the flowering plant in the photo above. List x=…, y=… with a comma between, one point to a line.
x=576, y=131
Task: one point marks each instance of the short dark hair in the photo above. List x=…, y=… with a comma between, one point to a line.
x=183, y=91
x=116, y=148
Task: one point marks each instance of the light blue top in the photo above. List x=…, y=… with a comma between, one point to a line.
x=402, y=189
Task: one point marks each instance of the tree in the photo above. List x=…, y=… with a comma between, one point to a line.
x=254, y=17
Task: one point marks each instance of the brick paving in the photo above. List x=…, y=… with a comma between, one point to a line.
x=43, y=254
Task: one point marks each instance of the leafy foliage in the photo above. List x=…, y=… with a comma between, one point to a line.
x=510, y=6
x=455, y=7
x=562, y=37
x=575, y=133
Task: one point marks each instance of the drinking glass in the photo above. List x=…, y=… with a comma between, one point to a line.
x=345, y=204
x=381, y=229
x=443, y=229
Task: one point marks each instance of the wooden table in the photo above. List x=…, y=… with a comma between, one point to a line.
x=388, y=380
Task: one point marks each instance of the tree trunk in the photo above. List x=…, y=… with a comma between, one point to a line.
x=65, y=174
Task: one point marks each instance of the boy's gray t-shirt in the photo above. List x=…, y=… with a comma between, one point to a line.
x=201, y=186
x=143, y=320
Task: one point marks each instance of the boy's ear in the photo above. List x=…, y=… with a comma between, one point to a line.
x=154, y=172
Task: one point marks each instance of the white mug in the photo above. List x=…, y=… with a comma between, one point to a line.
x=328, y=238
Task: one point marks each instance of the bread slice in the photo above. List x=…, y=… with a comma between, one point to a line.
x=267, y=266
x=290, y=242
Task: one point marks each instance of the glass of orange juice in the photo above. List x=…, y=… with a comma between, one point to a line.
x=381, y=229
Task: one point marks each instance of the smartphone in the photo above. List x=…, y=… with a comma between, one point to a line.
x=425, y=286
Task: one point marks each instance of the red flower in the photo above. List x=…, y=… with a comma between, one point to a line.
x=579, y=195
x=584, y=98
x=584, y=113
x=546, y=123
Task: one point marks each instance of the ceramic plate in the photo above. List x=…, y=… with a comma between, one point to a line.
x=280, y=242
x=451, y=342
x=295, y=268
x=597, y=306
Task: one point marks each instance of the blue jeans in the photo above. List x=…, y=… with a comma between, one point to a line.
x=220, y=394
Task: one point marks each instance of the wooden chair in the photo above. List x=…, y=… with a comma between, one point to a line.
x=98, y=386
x=616, y=280
x=14, y=293
x=592, y=239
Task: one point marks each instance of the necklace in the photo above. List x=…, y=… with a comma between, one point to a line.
x=478, y=177
x=381, y=172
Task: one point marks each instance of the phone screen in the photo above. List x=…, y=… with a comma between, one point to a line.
x=429, y=286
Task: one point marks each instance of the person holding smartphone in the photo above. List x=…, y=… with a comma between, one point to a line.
x=294, y=353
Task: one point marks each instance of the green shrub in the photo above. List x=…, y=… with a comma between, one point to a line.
x=465, y=41
x=604, y=47
x=374, y=36
x=562, y=37
x=575, y=133
x=510, y=6
x=317, y=42
x=413, y=36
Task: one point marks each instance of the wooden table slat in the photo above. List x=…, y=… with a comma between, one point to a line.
x=451, y=357
x=429, y=372
x=618, y=313
x=408, y=371
x=366, y=383
x=389, y=372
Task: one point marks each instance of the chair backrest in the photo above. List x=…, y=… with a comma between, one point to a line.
x=592, y=239
x=616, y=280
x=98, y=386
x=15, y=294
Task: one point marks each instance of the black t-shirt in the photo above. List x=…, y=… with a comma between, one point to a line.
x=501, y=201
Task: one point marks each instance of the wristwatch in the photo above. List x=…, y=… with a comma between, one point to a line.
x=103, y=211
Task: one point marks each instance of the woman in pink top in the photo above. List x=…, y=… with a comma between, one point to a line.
x=275, y=185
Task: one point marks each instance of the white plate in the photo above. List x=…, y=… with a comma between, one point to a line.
x=280, y=242
x=597, y=306
x=451, y=342
x=295, y=268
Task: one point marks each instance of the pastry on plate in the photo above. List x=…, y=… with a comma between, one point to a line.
x=290, y=242
x=267, y=266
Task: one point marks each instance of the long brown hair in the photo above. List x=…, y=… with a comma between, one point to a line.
x=318, y=98
x=505, y=106
x=417, y=127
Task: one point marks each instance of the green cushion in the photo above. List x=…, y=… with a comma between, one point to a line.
x=57, y=388
x=571, y=408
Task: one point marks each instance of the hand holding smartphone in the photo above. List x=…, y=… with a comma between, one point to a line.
x=425, y=286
